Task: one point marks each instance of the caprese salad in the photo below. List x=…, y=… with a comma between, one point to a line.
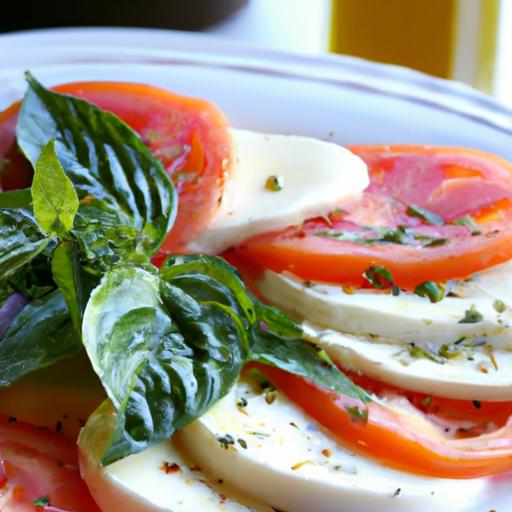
x=241, y=321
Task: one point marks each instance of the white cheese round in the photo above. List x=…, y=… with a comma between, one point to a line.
x=156, y=480
x=282, y=457
x=315, y=176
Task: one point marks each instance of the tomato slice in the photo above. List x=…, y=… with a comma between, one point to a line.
x=189, y=136
x=36, y=464
x=408, y=220
x=397, y=437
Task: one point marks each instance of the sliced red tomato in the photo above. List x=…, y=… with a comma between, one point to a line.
x=397, y=436
x=189, y=136
x=39, y=465
x=463, y=417
x=407, y=221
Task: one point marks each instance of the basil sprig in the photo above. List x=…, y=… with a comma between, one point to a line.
x=115, y=176
x=167, y=344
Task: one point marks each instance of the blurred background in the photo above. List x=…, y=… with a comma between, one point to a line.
x=465, y=40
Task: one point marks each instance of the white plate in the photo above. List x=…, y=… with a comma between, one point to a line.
x=344, y=99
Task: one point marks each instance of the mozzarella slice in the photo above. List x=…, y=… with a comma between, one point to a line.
x=379, y=334
x=475, y=378
x=282, y=457
x=405, y=318
x=156, y=480
x=316, y=175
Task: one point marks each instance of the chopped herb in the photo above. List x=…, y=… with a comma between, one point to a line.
x=489, y=349
x=259, y=434
x=460, y=340
x=43, y=501
x=499, y=306
x=468, y=221
x=419, y=352
x=242, y=443
x=300, y=464
x=395, y=291
x=471, y=316
x=434, y=291
x=378, y=276
x=357, y=413
x=476, y=404
x=425, y=215
x=225, y=440
x=377, y=235
x=448, y=351
x=275, y=183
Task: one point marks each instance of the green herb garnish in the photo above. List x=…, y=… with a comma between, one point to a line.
x=468, y=221
x=43, y=501
x=471, y=316
x=421, y=352
x=274, y=183
x=434, y=291
x=499, y=306
x=357, y=413
x=378, y=276
x=425, y=215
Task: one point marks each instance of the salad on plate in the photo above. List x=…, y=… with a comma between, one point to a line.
x=196, y=317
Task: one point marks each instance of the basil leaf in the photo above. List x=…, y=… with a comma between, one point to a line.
x=20, y=198
x=210, y=277
x=54, y=198
x=73, y=282
x=163, y=352
x=110, y=167
x=39, y=336
x=21, y=240
x=272, y=320
x=425, y=215
x=302, y=358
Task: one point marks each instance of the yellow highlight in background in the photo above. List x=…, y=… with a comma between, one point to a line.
x=446, y=38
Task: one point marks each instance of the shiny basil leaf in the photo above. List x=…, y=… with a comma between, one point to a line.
x=54, y=199
x=274, y=321
x=210, y=277
x=302, y=358
x=74, y=283
x=20, y=198
x=111, y=169
x=39, y=335
x=21, y=240
x=164, y=353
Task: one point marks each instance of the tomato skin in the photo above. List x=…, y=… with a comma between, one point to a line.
x=189, y=136
x=39, y=463
x=398, y=439
x=461, y=182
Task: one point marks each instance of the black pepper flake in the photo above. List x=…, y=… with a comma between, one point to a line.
x=397, y=493
x=220, y=481
x=225, y=440
x=476, y=404
x=58, y=426
x=12, y=419
x=60, y=464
